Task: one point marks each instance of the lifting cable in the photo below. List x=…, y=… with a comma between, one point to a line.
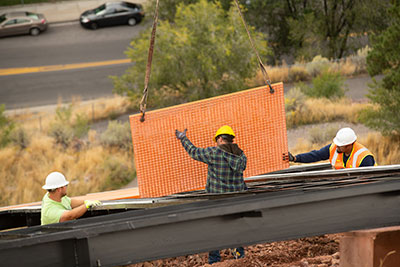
x=262, y=67
x=143, y=101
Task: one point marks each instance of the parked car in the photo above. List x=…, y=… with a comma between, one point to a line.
x=113, y=13
x=16, y=23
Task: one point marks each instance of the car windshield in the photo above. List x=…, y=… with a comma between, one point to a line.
x=31, y=15
x=100, y=10
x=2, y=18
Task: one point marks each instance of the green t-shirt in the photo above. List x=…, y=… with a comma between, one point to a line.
x=52, y=210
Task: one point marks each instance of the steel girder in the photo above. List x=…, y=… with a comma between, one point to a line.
x=142, y=235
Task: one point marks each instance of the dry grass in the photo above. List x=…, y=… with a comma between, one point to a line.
x=385, y=149
x=316, y=110
x=304, y=71
x=23, y=172
x=103, y=108
x=90, y=168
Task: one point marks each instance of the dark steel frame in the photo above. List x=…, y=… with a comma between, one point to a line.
x=142, y=235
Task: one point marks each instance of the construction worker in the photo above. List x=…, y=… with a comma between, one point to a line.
x=226, y=163
x=344, y=152
x=56, y=206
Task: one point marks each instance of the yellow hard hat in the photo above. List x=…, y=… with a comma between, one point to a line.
x=224, y=130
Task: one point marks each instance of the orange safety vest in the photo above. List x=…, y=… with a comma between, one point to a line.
x=358, y=153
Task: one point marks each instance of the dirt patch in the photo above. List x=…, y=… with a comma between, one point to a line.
x=319, y=251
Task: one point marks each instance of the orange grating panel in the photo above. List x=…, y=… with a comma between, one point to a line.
x=163, y=167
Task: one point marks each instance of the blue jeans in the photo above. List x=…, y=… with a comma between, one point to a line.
x=215, y=256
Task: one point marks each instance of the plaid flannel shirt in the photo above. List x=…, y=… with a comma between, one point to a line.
x=225, y=170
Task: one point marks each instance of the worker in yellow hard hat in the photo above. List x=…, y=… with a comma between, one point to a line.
x=57, y=206
x=226, y=163
x=344, y=152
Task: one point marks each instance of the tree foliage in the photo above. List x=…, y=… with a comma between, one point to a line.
x=384, y=58
x=203, y=53
x=307, y=28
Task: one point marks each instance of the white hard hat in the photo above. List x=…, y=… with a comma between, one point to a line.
x=345, y=136
x=55, y=180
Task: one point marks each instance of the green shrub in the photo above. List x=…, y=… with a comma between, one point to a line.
x=6, y=127
x=360, y=59
x=80, y=125
x=328, y=84
x=64, y=129
x=118, y=174
x=318, y=65
x=294, y=99
x=117, y=135
x=298, y=73
x=20, y=137
x=63, y=134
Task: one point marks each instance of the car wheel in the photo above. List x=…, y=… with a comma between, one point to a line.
x=34, y=31
x=94, y=26
x=132, y=22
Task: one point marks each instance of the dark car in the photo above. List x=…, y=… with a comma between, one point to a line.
x=15, y=23
x=110, y=14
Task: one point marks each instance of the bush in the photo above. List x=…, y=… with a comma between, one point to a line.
x=298, y=73
x=318, y=65
x=63, y=134
x=117, y=135
x=64, y=129
x=6, y=127
x=294, y=99
x=328, y=85
x=360, y=60
x=118, y=174
x=20, y=137
x=81, y=125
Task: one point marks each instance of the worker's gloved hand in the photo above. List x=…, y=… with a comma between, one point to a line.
x=291, y=158
x=92, y=203
x=180, y=135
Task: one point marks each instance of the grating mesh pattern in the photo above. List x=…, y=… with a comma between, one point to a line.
x=163, y=167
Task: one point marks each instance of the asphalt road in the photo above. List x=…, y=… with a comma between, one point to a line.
x=70, y=44
x=62, y=44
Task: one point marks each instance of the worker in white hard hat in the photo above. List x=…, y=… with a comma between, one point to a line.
x=226, y=163
x=344, y=152
x=57, y=206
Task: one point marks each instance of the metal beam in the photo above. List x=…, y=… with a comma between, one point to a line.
x=142, y=235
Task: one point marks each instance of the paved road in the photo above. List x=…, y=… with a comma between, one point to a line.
x=63, y=44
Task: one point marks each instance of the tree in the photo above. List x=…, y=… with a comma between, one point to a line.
x=384, y=58
x=205, y=52
x=306, y=28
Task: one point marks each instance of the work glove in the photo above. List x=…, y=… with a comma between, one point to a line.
x=180, y=135
x=92, y=203
x=291, y=158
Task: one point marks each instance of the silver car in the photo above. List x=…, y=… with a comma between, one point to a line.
x=16, y=23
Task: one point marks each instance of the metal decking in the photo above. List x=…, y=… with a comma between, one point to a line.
x=278, y=206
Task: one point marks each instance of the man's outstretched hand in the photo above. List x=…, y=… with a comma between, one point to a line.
x=180, y=135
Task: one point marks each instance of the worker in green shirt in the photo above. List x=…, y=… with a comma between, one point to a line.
x=57, y=206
